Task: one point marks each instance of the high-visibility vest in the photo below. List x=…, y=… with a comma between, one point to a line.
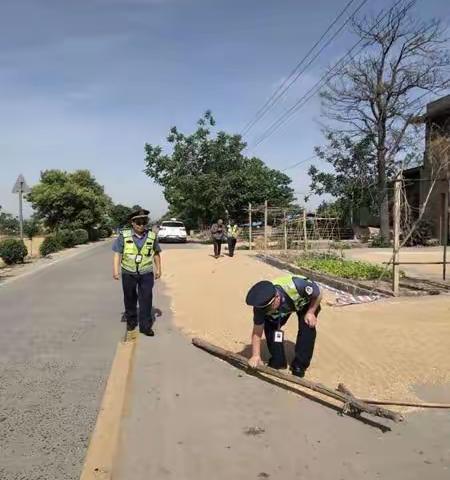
x=288, y=285
x=132, y=254
x=233, y=231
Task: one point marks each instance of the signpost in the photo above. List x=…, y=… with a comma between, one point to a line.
x=21, y=187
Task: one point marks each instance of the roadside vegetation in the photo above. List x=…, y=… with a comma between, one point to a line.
x=338, y=266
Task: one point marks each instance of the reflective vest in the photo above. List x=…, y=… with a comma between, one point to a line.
x=232, y=231
x=137, y=260
x=288, y=285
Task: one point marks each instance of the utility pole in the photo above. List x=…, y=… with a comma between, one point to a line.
x=395, y=265
x=21, y=187
x=249, y=226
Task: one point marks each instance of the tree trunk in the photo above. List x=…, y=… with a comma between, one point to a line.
x=383, y=193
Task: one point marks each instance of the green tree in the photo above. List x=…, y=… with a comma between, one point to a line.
x=353, y=179
x=207, y=176
x=121, y=213
x=9, y=225
x=70, y=200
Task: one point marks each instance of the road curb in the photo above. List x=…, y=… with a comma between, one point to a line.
x=102, y=449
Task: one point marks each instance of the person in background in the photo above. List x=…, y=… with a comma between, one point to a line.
x=137, y=255
x=232, y=235
x=218, y=235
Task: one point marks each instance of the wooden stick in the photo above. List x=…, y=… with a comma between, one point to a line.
x=342, y=388
x=401, y=403
x=351, y=404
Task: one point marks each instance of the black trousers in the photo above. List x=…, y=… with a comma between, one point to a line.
x=304, y=346
x=231, y=245
x=138, y=288
x=217, y=246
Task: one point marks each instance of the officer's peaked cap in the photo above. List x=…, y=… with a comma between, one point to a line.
x=141, y=213
x=261, y=294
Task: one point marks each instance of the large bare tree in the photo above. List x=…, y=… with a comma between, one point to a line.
x=379, y=92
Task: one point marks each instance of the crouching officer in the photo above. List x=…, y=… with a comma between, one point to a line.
x=137, y=251
x=273, y=303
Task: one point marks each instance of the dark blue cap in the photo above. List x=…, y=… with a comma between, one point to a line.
x=141, y=213
x=261, y=294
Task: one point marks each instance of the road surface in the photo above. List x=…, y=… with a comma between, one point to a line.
x=59, y=332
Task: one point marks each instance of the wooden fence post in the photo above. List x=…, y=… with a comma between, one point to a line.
x=305, y=234
x=395, y=265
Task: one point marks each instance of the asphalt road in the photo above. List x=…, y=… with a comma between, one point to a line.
x=59, y=331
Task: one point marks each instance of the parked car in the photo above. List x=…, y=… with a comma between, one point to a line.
x=172, y=231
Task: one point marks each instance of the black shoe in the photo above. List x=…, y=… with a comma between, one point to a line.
x=149, y=333
x=276, y=366
x=298, y=371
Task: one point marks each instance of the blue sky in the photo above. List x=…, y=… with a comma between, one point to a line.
x=84, y=84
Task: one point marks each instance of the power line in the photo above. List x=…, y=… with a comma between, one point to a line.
x=285, y=116
x=299, y=163
x=296, y=73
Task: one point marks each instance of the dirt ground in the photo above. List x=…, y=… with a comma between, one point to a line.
x=393, y=349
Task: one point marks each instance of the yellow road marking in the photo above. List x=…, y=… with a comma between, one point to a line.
x=98, y=464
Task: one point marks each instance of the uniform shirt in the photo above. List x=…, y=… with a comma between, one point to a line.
x=283, y=312
x=138, y=241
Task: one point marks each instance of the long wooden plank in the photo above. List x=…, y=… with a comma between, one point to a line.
x=342, y=388
x=351, y=404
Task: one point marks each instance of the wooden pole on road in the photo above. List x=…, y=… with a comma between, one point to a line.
x=351, y=404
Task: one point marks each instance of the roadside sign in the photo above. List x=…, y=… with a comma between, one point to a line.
x=21, y=185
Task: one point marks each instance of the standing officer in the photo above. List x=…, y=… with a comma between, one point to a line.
x=137, y=251
x=232, y=234
x=273, y=302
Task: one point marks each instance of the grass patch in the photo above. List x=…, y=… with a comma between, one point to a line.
x=338, y=266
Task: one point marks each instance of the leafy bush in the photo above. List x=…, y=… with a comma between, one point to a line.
x=50, y=244
x=338, y=245
x=66, y=238
x=105, y=232
x=378, y=242
x=13, y=251
x=422, y=233
x=81, y=236
x=340, y=267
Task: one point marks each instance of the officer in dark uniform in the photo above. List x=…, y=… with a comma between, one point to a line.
x=273, y=303
x=137, y=255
